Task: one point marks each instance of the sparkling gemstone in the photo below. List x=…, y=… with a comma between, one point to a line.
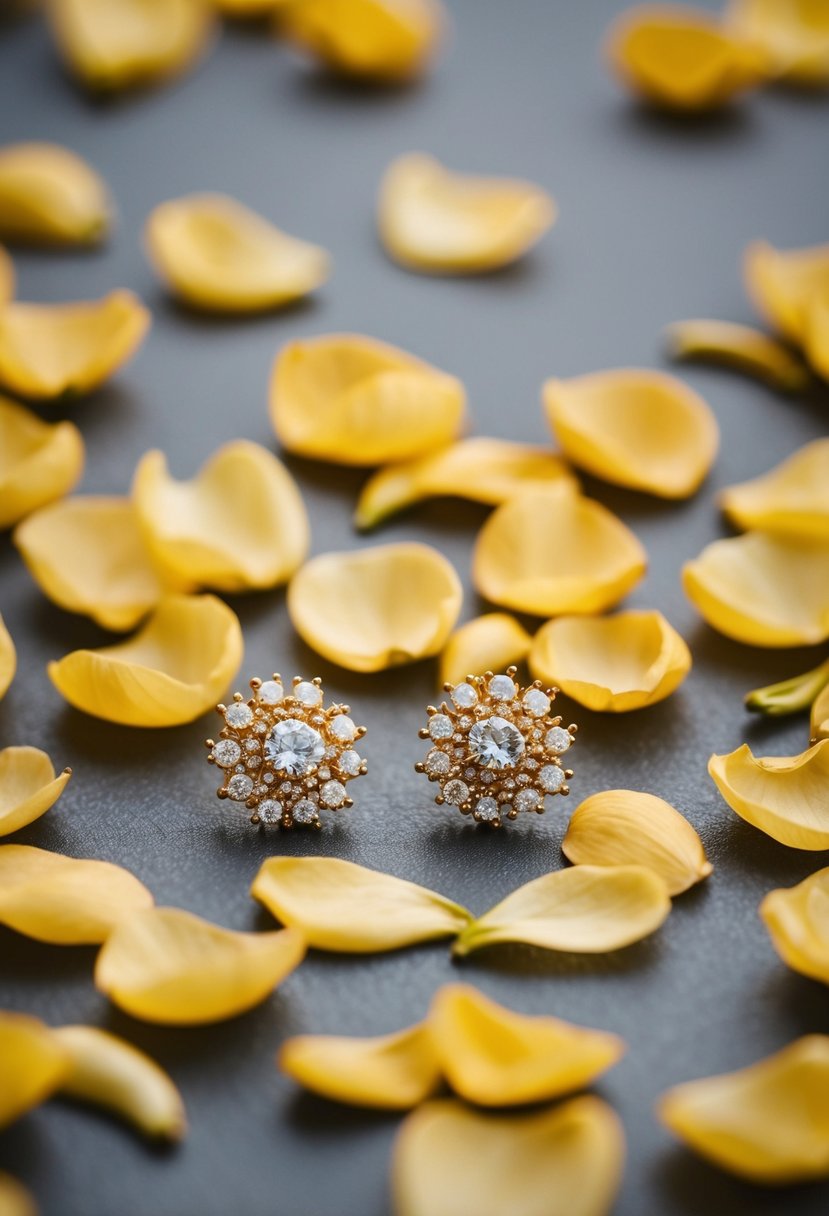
x=239, y=787
x=465, y=721
x=440, y=726
x=551, y=778
x=456, y=792
x=269, y=811
x=324, y=773
x=502, y=688
x=294, y=747
x=307, y=693
x=332, y=793
x=557, y=740
x=271, y=692
x=464, y=696
x=268, y=778
x=438, y=762
x=239, y=714
x=342, y=728
x=487, y=808
x=536, y=702
x=305, y=811
x=527, y=800
x=496, y=743
x=226, y=753
x=260, y=728
x=349, y=762
x=251, y=745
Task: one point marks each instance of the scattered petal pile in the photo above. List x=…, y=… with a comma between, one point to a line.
x=797, y=919
x=49, y=195
x=28, y=787
x=39, y=461
x=783, y=796
x=790, y=500
x=381, y=40
x=739, y=346
x=492, y=642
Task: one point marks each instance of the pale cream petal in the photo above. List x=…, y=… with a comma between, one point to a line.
x=783, y=796
x=32, y=1065
x=50, y=195
x=8, y=659
x=740, y=346
x=492, y=642
x=39, y=461
x=8, y=279
x=338, y=905
x=797, y=919
x=28, y=787
x=792, y=499
x=820, y=715
x=15, y=1200
x=782, y=284
x=794, y=34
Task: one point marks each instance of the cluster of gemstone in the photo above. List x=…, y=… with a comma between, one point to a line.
x=283, y=755
x=495, y=748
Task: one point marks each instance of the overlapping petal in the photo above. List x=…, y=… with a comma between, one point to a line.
x=39, y=461
x=793, y=33
x=15, y=1200
x=7, y=277
x=376, y=608
x=740, y=346
x=634, y=427
x=492, y=642
x=32, y=1065
x=173, y=670
x=792, y=499
x=352, y=400
x=820, y=715
x=8, y=659
x=783, y=283
x=768, y=1123
x=783, y=796
x=49, y=195
x=28, y=787
x=384, y=40
x=797, y=919
x=168, y=966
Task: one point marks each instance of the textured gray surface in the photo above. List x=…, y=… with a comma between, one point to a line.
x=654, y=215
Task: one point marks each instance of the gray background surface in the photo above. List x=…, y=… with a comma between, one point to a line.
x=654, y=216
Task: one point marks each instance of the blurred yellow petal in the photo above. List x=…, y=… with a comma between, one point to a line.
x=566, y=1161
x=39, y=461
x=763, y=590
x=173, y=670
x=169, y=966
x=636, y=428
x=15, y=1200
x=740, y=346
x=218, y=255
x=32, y=1065
x=87, y=555
x=28, y=787
x=794, y=34
x=8, y=659
x=768, y=1123
x=243, y=9
x=817, y=332
x=338, y=905
x=631, y=828
x=7, y=277
x=611, y=664
x=585, y=910
x=495, y=1057
x=783, y=796
x=553, y=551
x=373, y=39
x=434, y=220
x=393, y=1072
x=797, y=919
x=376, y=608
x=50, y=195
x=792, y=499
x=483, y=470
x=239, y=524
x=108, y=1071
x=353, y=400
x=782, y=284
x=820, y=715
x=47, y=350
x=488, y=643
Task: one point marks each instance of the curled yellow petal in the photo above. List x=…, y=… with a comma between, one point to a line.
x=87, y=554
x=32, y=1065
x=450, y=1159
x=492, y=642
x=554, y=551
x=7, y=277
x=797, y=919
x=483, y=470
x=585, y=910
x=107, y=1071
x=173, y=670
x=239, y=524
x=495, y=1057
x=792, y=499
x=39, y=461
x=739, y=346
x=376, y=608
x=50, y=195
x=768, y=1123
x=383, y=40
x=28, y=787
x=793, y=33
x=338, y=905
x=630, y=828
x=8, y=659
x=611, y=664
x=15, y=1200
x=47, y=350
x=782, y=284
x=820, y=715
x=783, y=796
x=169, y=966
x=816, y=338
x=220, y=256
x=762, y=589
x=636, y=428
x=353, y=400
x=434, y=220
x=393, y=1072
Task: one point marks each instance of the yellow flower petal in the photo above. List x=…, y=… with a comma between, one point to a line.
x=7, y=277
x=39, y=462
x=50, y=195
x=794, y=34
x=32, y=1065
x=642, y=429
x=393, y=1072
x=782, y=284
x=239, y=524
x=449, y=1159
x=763, y=590
x=792, y=499
x=173, y=670
x=218, y=255
x=627, y=827
x=434, y=220
x=553, y=551
x=797, y=919
x=740, y=346
x=495, y=1057
x=820, y=715
x=816, y=337
x=107, y=1071
x=489, y=643
x=87, y=555
x=247, y=8
x=372, y=39
x=338, y=905
x=376, y=608
x=47, y=350
x=15, y=1200
x=483, y=470
x=768, y=1123
x=166, y=965
x=783, y=796
x=611, y=664
x=586, y=910
x=28, y=787
x=8, y=659
x=64, y=900
x=352, y=400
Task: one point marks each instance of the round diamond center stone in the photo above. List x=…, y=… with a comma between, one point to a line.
x=294, y=747
x=496, y=743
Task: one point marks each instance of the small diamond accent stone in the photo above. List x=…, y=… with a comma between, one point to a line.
x=307, y=693
x=496, y=743
x=527, y=800
x=271, y=692
x=502, y=688
x=349, y=763
x=487, y=808
x=536, y=702
x=332, y=793
x=464, y=696
x=239, y=714
x=305, y=811
x=440, y=726
x=294, y=747
x=324, y=773
x=251, y=745
x=456, y=792
x=269, y=811
x=226, y=753
x=557, y=740
x=260, y=728
x=268, y=778
x=239, y=787
x=342, y=728
x=551, y=778
x=438, y=762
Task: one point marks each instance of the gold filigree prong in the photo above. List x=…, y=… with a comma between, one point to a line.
x=255, y=683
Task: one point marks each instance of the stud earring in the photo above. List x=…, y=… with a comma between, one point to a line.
x=495, y=749
x=284, y=755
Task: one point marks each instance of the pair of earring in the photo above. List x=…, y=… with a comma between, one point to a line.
x=495, y=750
